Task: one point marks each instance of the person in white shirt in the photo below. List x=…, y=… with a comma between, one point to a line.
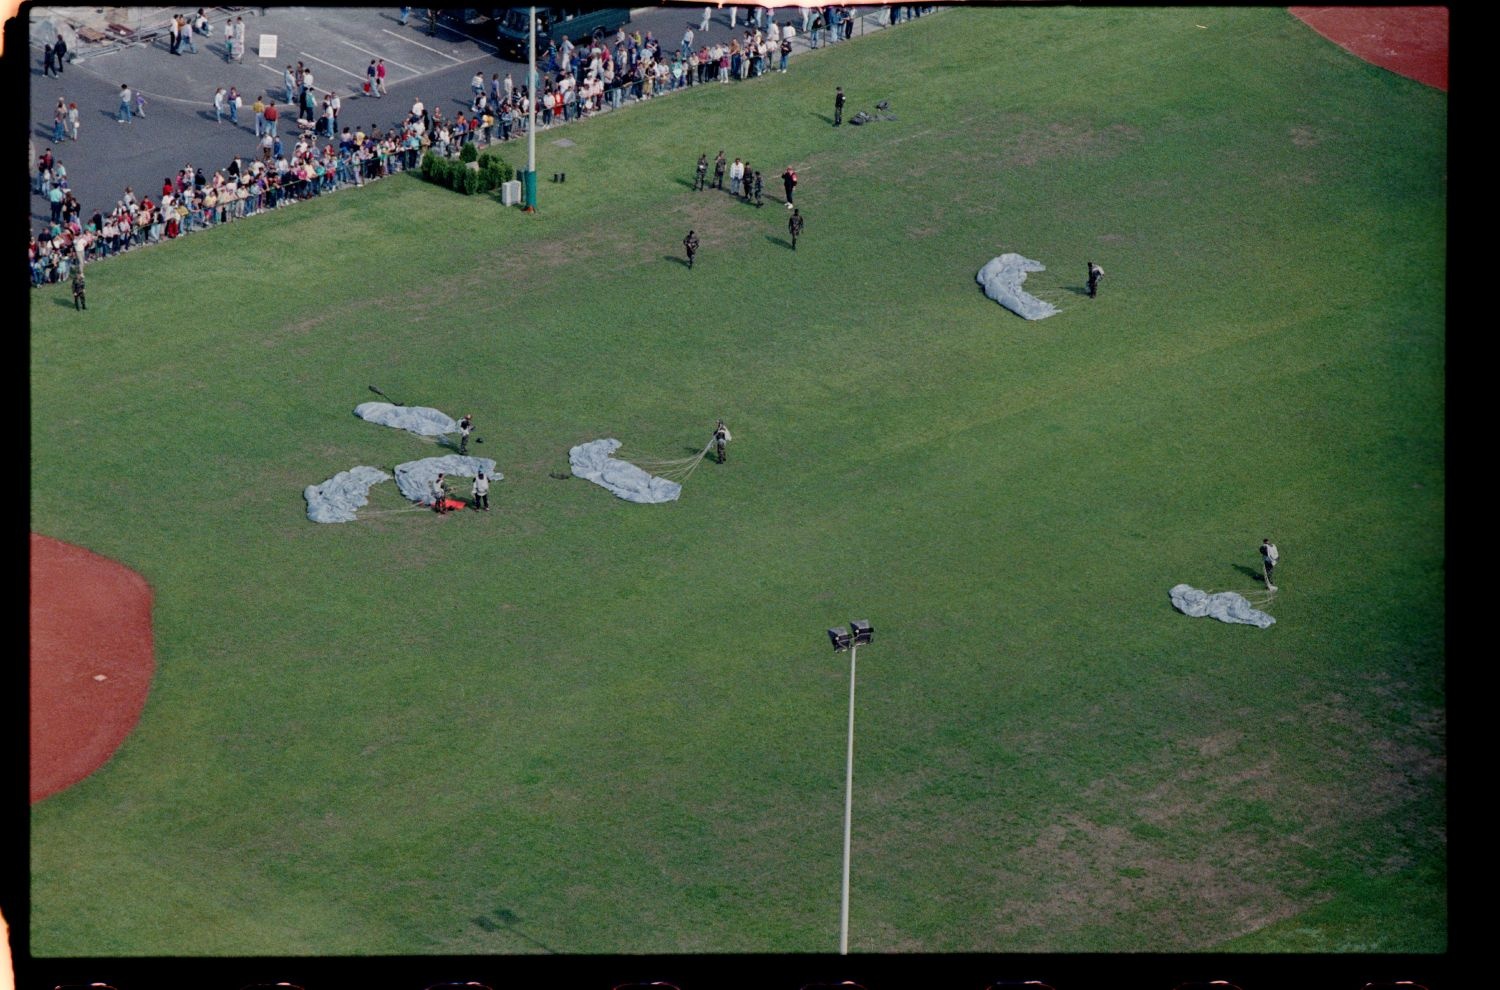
x=1269, y=556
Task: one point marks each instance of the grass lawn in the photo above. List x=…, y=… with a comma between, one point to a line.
x=584, y=726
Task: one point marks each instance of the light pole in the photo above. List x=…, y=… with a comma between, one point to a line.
x=842, y=639
x=529, y=185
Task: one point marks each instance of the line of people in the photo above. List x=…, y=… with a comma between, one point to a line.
x=191, y=200
x=582, y=80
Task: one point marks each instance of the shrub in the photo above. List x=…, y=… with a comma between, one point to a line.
x=492, y=173
x=489, y=173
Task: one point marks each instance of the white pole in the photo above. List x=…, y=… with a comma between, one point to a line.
x=531, y=92
x=848, y=810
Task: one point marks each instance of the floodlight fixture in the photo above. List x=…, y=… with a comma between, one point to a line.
x=863, y=631
x=840, y=638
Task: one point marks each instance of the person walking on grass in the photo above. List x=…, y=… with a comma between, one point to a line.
x=465, y=427
x=1269, y=556
x=79, y=302
x=721, y=440
x=701, y=176
x=481, y=493
x=1095, y=274
x=690, y=243
x=838, y=106
x=794, y=226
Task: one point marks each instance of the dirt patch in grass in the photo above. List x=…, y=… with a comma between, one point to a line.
x=719, y=219
x=1040, y=143
x=1216, y=835
x=1305, y=137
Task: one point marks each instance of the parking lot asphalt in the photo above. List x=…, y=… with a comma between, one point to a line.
x=336, y=43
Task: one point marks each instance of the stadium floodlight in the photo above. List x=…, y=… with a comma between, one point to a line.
x=842, y=639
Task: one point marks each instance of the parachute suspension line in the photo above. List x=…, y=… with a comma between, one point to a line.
x=1256, y=597
x=680, y=471
x=387, y=512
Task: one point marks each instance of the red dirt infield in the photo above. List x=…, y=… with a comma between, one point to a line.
x=1410, y=41
x=91, y=661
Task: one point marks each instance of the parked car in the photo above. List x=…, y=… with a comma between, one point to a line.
x=513, y=31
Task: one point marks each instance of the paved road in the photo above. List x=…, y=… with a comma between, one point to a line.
x=337, y=43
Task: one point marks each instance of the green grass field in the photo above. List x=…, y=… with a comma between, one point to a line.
x=583, y=726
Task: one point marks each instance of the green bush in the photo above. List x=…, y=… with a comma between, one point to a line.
x=493, y=172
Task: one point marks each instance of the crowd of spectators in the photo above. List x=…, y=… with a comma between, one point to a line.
x=577, y=81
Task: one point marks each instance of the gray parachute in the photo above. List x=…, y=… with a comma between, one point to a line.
x=421, y=420
x=335, y=500
x=415, y=478
x=592, y=462
x=1226, y=606
x=1002, y=278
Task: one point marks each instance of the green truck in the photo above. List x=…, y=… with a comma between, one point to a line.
x=513, y=31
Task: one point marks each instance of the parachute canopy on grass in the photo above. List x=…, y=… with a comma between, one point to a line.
x=335, y=500
x=415, y=478
x=592, y=462
x=1002, y=278
x=1226, y=606
x=421, y=420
